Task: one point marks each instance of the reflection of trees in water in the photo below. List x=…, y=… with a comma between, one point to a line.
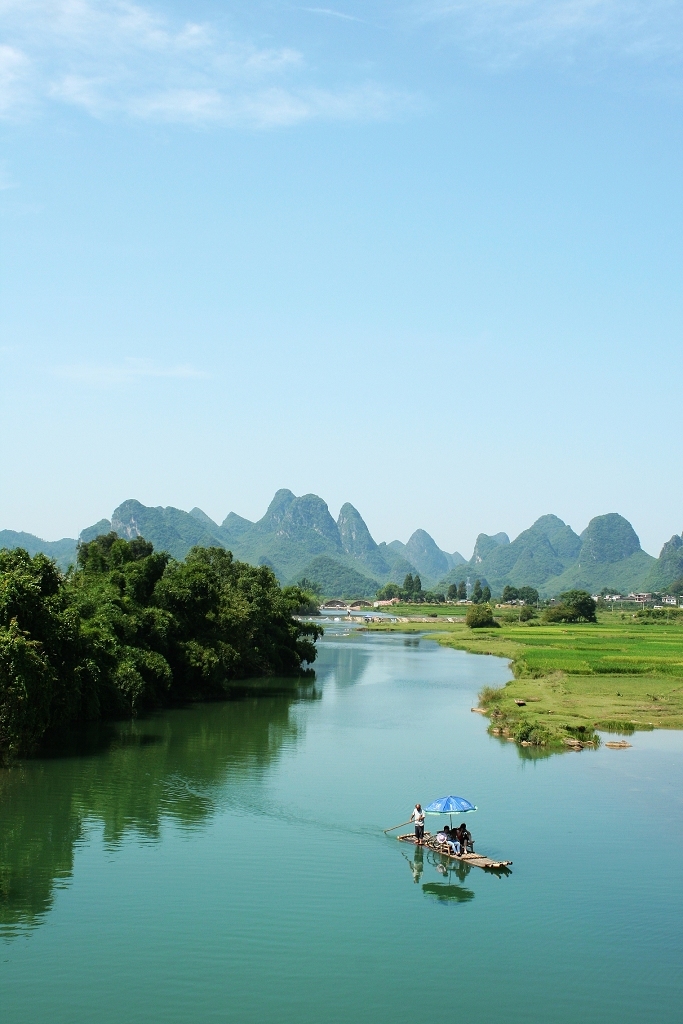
x=176, y=765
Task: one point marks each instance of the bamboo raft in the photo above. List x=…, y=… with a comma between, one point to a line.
x=477, y=860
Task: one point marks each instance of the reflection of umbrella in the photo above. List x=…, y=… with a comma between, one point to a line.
x=447, y=893
x=450, y=805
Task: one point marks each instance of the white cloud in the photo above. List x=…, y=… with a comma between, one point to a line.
x=331, y=13
x=127, y=372
x=14, y=75
x=505, y=32
x=114, y=57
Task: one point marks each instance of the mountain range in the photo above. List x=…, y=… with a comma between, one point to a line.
x=297, y=537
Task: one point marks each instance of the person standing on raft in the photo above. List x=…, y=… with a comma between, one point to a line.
x=418, y=816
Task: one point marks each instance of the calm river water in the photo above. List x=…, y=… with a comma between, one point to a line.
x=227, y=863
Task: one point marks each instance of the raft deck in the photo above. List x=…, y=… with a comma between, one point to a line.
x=477, y=860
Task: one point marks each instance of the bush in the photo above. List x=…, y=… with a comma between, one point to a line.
x=480, y=616
x=617, y=726
x=574, y=606
x=533, y=732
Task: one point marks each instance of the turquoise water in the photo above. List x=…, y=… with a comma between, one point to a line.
x=227, y=862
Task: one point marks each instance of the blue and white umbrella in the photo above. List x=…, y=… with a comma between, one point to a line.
x=450, y=805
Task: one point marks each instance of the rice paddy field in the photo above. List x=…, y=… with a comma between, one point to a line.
x=617, y=675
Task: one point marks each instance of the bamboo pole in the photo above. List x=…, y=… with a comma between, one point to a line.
x=408, y=822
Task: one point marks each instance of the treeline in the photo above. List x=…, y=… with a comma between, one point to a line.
x=412, y=591
x=131, y=629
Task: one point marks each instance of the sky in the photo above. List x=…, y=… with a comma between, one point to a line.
x=422, y=256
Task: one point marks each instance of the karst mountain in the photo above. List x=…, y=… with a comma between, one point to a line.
x=298, y=537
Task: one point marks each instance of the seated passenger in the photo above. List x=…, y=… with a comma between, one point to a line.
x=466, y=839
x=450, y=839
x=454, y=843
x=441, y=837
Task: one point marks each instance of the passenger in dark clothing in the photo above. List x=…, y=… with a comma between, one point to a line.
x=466, y=839
x=452, y=839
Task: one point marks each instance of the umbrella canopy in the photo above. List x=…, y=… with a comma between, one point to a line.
x=450, y=805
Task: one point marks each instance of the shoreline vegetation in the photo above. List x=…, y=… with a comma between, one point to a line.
x=131, y=630
x=571, y=680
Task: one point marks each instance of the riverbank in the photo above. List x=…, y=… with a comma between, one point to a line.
x=617, y=676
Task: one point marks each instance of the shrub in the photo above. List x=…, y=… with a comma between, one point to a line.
x=614, y=725
x=488, y=694
x=533, y=732
x=574, y=606
x=480, y=616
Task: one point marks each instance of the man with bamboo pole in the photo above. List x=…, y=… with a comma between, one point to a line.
x=418, y=816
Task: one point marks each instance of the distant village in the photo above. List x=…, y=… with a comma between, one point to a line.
x=655, y=601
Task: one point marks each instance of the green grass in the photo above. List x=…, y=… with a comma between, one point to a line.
x=617, y=675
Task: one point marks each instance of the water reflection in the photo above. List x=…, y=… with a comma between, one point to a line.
x=452, y=872
x=446, y=893
x=416, y=864
x=178, y=765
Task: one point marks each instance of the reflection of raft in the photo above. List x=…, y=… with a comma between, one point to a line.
x=477, y=860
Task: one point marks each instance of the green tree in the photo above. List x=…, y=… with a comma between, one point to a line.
x=408, y=586
x=480, y=616
x=452, y=592
x=477, y=592
x=486, y=594
x=388, y=592
x=132, y=629
x=462, y=591
x=574, y=606
x=529, y=595
x=310, y=586
x=510, y=594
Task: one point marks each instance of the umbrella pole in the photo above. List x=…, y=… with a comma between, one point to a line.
x=398, y=826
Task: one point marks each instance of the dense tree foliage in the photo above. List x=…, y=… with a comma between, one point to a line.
x=527, y=594
x=574, y=606
x=480, y=616
x=131, y=629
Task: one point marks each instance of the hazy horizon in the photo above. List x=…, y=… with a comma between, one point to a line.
x=422, y=257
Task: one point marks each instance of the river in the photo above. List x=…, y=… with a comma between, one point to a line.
x=226, y=863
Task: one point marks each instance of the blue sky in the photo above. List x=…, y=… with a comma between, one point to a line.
x=421, y=256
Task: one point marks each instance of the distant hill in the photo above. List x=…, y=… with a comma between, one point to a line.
x=668, y=567
x=169, y=529
x=552, y=558
x=422, y=552
x=610, y=556
x=293, y=534
x=339, y=580
x=63, y=551
x=543, y=551
x=298, y=537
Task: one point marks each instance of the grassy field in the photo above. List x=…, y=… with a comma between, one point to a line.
x=618, y=675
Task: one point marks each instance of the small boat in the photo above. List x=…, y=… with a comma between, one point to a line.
x=477, y=860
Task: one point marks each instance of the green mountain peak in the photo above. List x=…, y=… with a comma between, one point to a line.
x=608, y=538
